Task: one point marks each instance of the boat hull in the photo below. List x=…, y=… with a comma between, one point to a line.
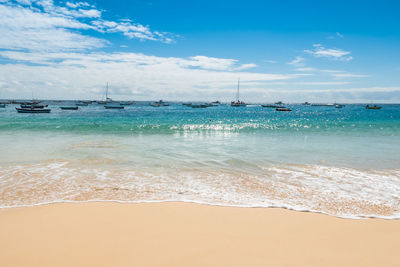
x=69, y=108
x=26, y=110
x=114, y=107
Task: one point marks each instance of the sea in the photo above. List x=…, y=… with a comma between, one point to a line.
x=343, y=162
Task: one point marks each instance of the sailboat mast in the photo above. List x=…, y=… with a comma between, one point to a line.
x=237, y=94
x=107, y=92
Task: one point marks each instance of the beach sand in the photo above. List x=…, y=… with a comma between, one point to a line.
x=186, y=234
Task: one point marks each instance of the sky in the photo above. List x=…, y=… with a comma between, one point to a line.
x=291, y=51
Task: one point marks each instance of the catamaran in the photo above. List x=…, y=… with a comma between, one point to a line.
x=238, y=103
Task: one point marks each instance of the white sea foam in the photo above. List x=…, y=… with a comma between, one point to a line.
x=337, y=191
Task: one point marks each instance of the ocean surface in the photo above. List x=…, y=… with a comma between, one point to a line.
x=338, y=161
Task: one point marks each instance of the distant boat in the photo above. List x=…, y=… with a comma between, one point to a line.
x=339, y=105
x=108, y=99
x=238, y=103
x=280, y=103
x=127, y=103
x=114, y=107
x=200, y=106
x=70, y=108
x=322, y=105
x=81, y=104
x=186, y=104
x=33, y=110
x=283, y=109
x=160, y=103
x=33, y=106
x=373, y=107
x=306, y=103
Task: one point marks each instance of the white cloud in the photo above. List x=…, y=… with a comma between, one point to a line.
x=271, y=61
x=133, y=75
x=336, y=54
x=307, y=69
x=246, y=66
x=43, y=25
x=348, y=75
x=23, y=28
x=339, y=35
x=298, y=61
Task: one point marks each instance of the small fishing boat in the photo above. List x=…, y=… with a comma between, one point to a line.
x=114, y=107
x=69, y=108
x=200, y=106
x=279, y=103
x=127, y=103
x=33, y=106
x=33, y=110
x=159, y=104
x=238, y=103
x=322, y=105
x=81, y=104
x=373, y=107
x=283, y=109
x=339, y=106
x=306, y=103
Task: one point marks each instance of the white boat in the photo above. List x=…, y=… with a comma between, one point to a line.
x=108, y=99
x=238, y=103
x=159, y=104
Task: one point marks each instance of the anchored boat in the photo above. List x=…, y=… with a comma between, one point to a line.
x=283, y=109
x=70, y=108
x=373, y=107
x=33, y=110
x=238, y=103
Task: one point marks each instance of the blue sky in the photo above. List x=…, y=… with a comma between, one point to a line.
x=317, y=51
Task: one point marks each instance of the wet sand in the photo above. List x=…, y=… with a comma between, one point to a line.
x=186, y=234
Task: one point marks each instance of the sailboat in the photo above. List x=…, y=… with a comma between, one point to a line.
x=238, y=103
x=111, y=104
x=108, y=99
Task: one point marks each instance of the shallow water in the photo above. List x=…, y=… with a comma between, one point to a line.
x=343, y=162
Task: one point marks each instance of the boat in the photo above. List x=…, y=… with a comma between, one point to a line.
x=127, y=103
x=283, y=109
x=372, y=107
x=200, y=106
x=33, y=110
x=160, y=103
x=114, y=107
x=279, y=103
x=69, y=108
x=33, y=106
x=186, y=104
x=306, y=103
x=238, y=103
x=81, y=104
x=339, y=105
x=322, y=105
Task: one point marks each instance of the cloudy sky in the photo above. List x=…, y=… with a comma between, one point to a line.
x=294, y=51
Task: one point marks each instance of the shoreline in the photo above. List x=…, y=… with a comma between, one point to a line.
x=144, y=202
x=188, y=234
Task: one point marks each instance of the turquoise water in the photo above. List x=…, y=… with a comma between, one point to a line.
x=344, y=162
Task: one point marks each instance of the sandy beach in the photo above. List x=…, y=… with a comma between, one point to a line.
x=185, y=234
